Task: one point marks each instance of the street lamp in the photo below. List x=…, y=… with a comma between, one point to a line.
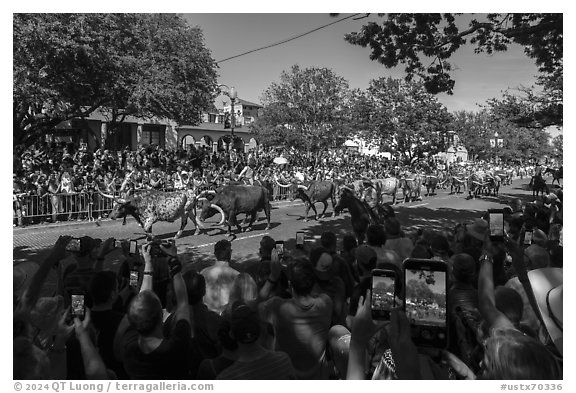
x=233, y=94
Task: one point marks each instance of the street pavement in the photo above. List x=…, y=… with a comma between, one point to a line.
x=441, y=211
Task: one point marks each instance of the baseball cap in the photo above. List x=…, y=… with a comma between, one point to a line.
x=245, y=324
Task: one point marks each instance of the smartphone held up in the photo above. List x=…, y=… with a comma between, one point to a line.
x=78, y=307
x=425, y=301
x=496, y=224
x=384, y=293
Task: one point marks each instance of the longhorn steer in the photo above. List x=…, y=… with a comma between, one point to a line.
x=316, y=191
x=232, y=200
x=150, y=206
x=411, y=186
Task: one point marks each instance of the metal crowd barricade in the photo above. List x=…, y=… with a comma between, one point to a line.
x=63, y=206
x=88, y=205
x=281, y=193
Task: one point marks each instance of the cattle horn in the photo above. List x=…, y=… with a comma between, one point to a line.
x=282, y=185
x=301, y=187
x=200, y=199
x=106, y=195
x=219, y=211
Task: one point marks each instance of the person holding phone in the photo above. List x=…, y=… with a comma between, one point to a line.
x=140, y=341
x=509, y=353
x=89, y=259
x=105, y=317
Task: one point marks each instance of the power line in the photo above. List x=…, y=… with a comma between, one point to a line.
x=288, y=39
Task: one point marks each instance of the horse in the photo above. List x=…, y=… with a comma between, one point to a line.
x=361, y=214
x=556, y=174
x=539, y=186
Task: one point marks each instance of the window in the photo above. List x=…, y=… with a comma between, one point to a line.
x=152, y=135
x=220, y=119
x=212, y=118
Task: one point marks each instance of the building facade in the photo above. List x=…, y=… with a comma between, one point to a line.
x=94, y=131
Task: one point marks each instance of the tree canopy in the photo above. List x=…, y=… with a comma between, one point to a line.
x=144, y=65
x=401, y=117
x=308, y=109
x=425, y=42
x=475, y=129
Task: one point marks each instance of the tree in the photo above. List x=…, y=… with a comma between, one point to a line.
x=475, y=129
x=410, y=38
x=401, y=117
x=418, y=291
x=308, y=109
x=533, y=107
x=144, y=65
x=557, y=144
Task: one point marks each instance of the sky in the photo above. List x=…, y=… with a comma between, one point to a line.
x=478, y=76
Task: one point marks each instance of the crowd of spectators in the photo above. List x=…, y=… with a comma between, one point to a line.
x=304, y=314
x=58, y=181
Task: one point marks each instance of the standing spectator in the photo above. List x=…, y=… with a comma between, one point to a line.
x=252, y=360
x=376, y=238
x=219, y=277
x=146, y=352
x=395, y=241
x=339, y=267
x=103, y=290
x=301, y=323
x=327, y=282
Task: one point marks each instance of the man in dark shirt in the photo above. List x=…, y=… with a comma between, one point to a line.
x=103, y=291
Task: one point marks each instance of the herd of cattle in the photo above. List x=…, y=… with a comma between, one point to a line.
x=362, y=198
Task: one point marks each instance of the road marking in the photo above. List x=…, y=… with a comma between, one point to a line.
x=420, y=204
x=236, y=239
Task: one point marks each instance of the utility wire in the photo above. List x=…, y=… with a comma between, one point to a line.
x=287, y=40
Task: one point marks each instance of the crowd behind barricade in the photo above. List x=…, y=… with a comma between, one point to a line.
x=301, y=314
x=60, y=181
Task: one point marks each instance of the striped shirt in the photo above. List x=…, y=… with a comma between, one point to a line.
x=273, y=365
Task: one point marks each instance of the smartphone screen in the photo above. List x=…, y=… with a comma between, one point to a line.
x=383, y=293
x=73, y=245
x=280, y=247
x=133, y=245
x=496, y=220
x=133, y=278
x=299, y=239
x=425, y=302
x=78, y=305
x=528, y=237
